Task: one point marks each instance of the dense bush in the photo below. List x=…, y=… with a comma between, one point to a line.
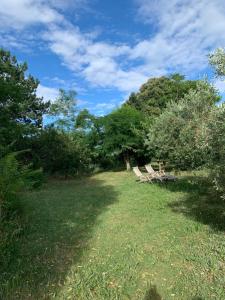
x=61, y=153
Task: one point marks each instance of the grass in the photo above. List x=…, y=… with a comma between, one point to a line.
x=108, y=237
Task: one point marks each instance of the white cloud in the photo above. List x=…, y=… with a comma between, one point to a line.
x=105, y=105
x=98, y=62
x=48, y=93
x=184, y=33
x=20, y=13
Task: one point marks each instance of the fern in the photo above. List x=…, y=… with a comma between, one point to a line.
x=14, y=177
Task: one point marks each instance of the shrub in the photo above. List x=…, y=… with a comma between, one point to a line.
x=13, y=178
x=62, y=153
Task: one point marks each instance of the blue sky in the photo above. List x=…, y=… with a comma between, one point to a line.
x=106, y=49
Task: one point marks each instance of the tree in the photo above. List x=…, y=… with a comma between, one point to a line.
x=216, y=143
x=217, y=60
x=64, y=110
x=21, y=110
x=180, y=133
x=121, y=138
x=217, y=129
x=156, y=93
x=85, y=120
x=92, y=127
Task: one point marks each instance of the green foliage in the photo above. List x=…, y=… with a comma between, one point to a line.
x=64, y=109
x=121, y=133
x=180, y=133
x=114, y=138
x=20, y=109
x=92, y=129
x=14, y=177
x=85, y=120
x=61, y=152
x=11, y=179
x=217, y=148
x=154, y=96
x=217, y=129
x=217, y=60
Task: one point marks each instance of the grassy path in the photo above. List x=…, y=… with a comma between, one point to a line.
x=107, y=237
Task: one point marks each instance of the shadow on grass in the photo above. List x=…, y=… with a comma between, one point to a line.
x=59, y=224
x=152, y=294
x=201, y=202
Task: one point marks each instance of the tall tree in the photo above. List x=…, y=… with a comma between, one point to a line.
x=156, y=93
x=121, y=136
x=21, y=110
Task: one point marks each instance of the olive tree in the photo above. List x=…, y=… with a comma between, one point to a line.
x=180, y=133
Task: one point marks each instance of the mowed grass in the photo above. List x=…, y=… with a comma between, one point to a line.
x=108, y=237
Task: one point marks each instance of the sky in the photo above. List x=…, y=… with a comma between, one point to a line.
x=107, y=49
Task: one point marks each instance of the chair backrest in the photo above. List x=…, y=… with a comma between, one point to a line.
x=137, y=171
x=149, y=169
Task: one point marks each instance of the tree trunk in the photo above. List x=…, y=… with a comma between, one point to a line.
x=127, y=162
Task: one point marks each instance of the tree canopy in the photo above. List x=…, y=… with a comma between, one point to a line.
x=180, y=133
x=21, y=111
x=64, y=108
x=157, y=93
x=217, y=60
x=121, y=137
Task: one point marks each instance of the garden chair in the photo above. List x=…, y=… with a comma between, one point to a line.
x=142, y=177
x=161, y=174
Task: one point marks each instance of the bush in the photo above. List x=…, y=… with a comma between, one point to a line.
x=14, y=177
x=62, y=153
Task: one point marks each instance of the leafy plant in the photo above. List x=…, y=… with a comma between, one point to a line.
x=14, y=177
x=154, y=95
x=180, y=133
x=121, y=135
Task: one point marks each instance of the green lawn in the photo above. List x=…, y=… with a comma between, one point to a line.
x=108, y=237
